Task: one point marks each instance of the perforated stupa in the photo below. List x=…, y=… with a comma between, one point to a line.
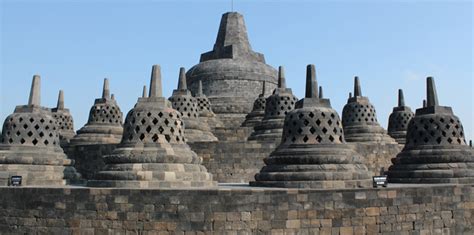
x=399, y=119
x=205, y=111
x=183, y=101
x=436, y=150
x=313, y=152
x=277, y=106
x=30, y=145
x=104, y=125
x=359, y=119
x=153, y=152
x=65, y=121
x=231, y=64
x=258, y=111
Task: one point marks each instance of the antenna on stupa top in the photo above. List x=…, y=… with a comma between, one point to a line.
x=155, y=82
x=357, y=90
x=144, y=93
x=232, y=5
x=401, y=98
x=431, y=96
x=321, y=92
x=182, y=79
x=281, y=77
x=199, y=88
x=35, y=92
x=60, y=104
x=105, y=89
x=311, y=83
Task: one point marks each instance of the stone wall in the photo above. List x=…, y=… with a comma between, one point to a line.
x=443, y=209
x=377, y=156
x=88, y=158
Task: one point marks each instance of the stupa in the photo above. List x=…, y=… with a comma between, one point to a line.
x=277, y=106
x=153, y=152
x=205, y=111
x=65, y=121
x=30, y=145
x=258, y=111
x=359, y=119
x=183, y=101
x=105, y=122
x=399, y=119
x=436, y=150
x=313, y=152
x=232, y=73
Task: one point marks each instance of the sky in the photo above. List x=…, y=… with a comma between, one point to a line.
x=73, y=45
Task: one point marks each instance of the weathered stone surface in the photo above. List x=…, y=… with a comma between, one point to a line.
x=104, y=125
x=281, y=102
x=258, y=110
x=30, y=145
x=205, y=111
x=153, y=152
x=313, y=153
x=359, y=119
x=435, y=149
x=447, y=209
x=399, y=119
x=187, y=105
x=231, y=64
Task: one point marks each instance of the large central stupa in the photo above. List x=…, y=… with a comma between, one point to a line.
x=232, y=73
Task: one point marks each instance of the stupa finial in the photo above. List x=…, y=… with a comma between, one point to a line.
x=105, y=89
x=60, y=104
x=281, y=77
x=263, y=88
x=431, y=95
x=182, y=79
x=112, y=96
x=401, y=98
x=424, y=103
x=155, y=82
x=311, y=83
x=357, y=90
x=350, y=95
x=35, y=92
x=321, y=92
x=144, y=93
x=199, y=88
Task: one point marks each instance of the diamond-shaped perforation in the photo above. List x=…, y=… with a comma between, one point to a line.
x=356, y=114
x=433, y=129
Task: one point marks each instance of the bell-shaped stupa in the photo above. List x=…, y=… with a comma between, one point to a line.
x=399, y=119
x=258, y=111
x=359, y=119
x=313, y=152
x=30, y=145
x=232, y=73
x=65, y=121
x=105, y=122
x=205, y=111
x=277, y=106
x=153, y=152
x=436, y=150
x=183, y=101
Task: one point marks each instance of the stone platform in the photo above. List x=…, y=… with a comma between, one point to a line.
x=238, y=209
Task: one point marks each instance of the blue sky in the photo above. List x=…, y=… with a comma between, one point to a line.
x=73, y=45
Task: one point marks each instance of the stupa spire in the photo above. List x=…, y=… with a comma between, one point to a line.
x=199, y=88
x=60, y=104
x=155, y=82
x=401, y=98
x=321, y=92
x=357, y=90
x=112, y=96
x=263, y=88
x=35, y=92
x=350, y=95
x=281, y=77
x=424, y=103
x=144, y=93
x=182, y=79
x=232, y=31
x=431, y=95
x=311, y=83
x=106, y=89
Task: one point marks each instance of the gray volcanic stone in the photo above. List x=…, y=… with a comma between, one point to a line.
x=435, y=149
x=313, y=152
x=153, y=152
x=205, y=111
x=399, y=119
x=104, y=125
x=258, y=111
x=30, y=145
x=65, y=121
x=232, y=72
x=187, y=105
x=360, y=119
x=277, y=106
